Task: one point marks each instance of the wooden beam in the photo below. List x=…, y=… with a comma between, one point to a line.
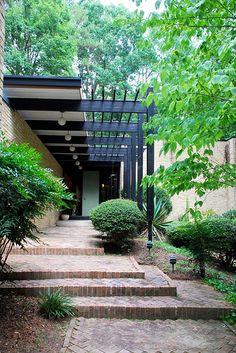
x=83, y=126
x=82, y=105
x=87, y=140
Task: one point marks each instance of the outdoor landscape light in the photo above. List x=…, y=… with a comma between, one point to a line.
x=61, y=121
x=77, y=163
x=68, y=136
x=72, y=148
x=173, y=262
x=75, y=156
x=149, y=245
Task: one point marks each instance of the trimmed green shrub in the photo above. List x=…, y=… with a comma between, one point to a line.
x=55, y=305
x=230, y=214
x=214, y=237
x=119, y=218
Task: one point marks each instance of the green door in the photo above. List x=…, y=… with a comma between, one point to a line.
x=90, y=191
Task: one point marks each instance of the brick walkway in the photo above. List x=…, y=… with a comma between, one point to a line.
x=71, y=257
x=125, y=336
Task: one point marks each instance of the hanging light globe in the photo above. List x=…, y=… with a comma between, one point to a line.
x=72, y=148
x=80, y=167
x=68, y=136
x=77, y=163
x=61, y=121
x=74, y=156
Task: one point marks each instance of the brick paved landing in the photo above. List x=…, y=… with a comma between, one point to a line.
x=124, y=336
x=68, y=238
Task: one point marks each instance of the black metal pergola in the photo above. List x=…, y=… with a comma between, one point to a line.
x=112, y=131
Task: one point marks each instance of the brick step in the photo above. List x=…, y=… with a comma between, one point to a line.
x=44, y=250
x=71, y=266
x=93, y=287
x=150, y=308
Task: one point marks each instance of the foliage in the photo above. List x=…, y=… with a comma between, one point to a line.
x=27, y=191
x=160, y=195
x=55, y=305
x=39, y=38
x=214, y=237
x=119, y=219
x=108, y=46
x=159, y=222
x=194, y=91
x=230, y=214
x=172, y=249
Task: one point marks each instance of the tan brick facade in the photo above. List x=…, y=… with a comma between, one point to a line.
x=2, y=31
x=17, y=130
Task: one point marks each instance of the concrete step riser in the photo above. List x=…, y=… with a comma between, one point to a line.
x=92, y=291
x=58, y=251
x=152, y=313
x=73, y=274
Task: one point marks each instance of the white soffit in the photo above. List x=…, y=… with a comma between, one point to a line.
x=42, y=92
x=50, y=115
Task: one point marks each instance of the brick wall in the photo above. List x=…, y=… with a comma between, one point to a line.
x=220, y=200
x=17, y=130
x=2, y=27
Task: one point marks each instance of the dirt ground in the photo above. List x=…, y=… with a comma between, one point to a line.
x=23, y=330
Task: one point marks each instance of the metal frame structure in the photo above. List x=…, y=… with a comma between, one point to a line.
x=117, y=138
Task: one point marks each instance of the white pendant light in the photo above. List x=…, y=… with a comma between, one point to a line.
x=77, y=163
x=61, y=121
x=68, y=136
x=72, y=148
x=75, y=156
x=80, y=167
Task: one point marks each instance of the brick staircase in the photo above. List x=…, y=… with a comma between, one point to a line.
x=72, y=258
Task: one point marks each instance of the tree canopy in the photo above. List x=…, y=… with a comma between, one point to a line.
x=39, y=38
x=194, y=91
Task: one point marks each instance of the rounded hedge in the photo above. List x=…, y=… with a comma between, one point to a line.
x=117, y=218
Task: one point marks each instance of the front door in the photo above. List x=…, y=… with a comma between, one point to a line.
x=90, y=191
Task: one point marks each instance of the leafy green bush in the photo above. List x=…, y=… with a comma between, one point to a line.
x=27, y=191
x=120, y=219
x=213, y=237
x=230, y=214
x=55, y=305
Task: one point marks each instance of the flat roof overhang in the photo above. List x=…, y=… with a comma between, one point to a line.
x=41, y=101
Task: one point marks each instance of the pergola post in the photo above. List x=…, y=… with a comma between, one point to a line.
x=128, y=172
x=133, y=166
x=150, y=171
x=140, y=162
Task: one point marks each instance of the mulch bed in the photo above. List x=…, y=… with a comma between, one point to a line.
x=23, y=330
x=160, y=258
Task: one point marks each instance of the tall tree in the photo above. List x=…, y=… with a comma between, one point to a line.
x=108, y=46
x=39, y=38
x=195, y=91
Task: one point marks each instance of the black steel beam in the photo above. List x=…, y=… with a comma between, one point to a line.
x=128, y=174
x=133, y=167
x=140, y=162
x=64, y=158
x=87, y=140
x=150, y=189
x=41, y=81
x=82, y=105
x=88, y=150
x=83, y=126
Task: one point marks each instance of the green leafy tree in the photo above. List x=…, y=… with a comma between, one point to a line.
x=27, y=191
x=194, y=91
x=39, y=38
x=108, y=40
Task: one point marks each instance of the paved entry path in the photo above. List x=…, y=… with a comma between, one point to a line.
x=126, y=336
x=109, y=289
